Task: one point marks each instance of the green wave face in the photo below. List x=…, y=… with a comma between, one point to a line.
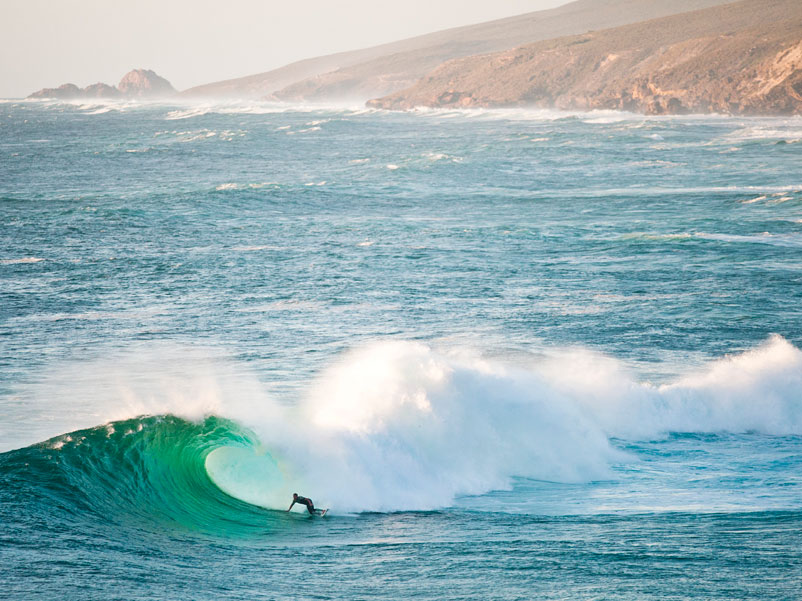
x=151, y=473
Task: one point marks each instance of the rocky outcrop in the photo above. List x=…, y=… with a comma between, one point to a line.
x=741, y=58
x=139, y=83
x=143, y=83
x=100, y=90
x=67, y=91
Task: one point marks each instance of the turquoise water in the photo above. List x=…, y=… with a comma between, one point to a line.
x=519, y=354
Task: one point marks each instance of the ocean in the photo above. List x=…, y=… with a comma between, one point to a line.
x=518, y=354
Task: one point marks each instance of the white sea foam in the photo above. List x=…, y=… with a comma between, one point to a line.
x=21, y=261
x=758, y=390
x=782, y=130
x=256, y=247
x=187, y=113
x=787, y=240
x=99, y=111
x=97, y=106
x=665, y=190
x=398, y=425
x=401, y=425
x=596, y=117
x=201, y=135
x=441, y=156
x=651, y=237
x=527, y=114
x=229, y=134
x=242, y=107
x=238, y=186
x=138, y=314
x=754, y=200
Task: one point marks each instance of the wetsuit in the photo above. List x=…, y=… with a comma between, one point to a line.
x=308, y=502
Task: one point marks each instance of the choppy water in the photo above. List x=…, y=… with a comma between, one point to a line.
x=519, y=354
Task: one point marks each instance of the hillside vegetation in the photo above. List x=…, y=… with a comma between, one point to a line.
x=367, y=73
x=744, y=57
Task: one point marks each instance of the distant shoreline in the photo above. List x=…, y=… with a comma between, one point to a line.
x=231, y=106
x=692, y=57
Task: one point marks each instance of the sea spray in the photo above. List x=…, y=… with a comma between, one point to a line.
x=759, y=390
x=406, y=427
x=398, y=425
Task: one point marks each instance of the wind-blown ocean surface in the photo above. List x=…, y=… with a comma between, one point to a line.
x=518, y=354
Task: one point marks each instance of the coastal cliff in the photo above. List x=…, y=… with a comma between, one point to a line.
x=740, y=58
x=139, y=83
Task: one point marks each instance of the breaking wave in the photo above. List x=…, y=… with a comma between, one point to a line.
x=401, y=426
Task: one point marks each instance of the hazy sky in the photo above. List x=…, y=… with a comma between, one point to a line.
x=44, y=43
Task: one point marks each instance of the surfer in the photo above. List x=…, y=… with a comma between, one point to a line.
x=310, y=506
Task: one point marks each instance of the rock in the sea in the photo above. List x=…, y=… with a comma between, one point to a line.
x=100, y=90
x=68, y=91
x=144, y=83
x=139, y=83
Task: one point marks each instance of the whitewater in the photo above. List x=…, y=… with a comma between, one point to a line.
x=518, y=354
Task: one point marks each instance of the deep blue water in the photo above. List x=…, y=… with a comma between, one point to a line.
x=518, y=354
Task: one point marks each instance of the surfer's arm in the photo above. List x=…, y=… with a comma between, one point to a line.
x=291, y=504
